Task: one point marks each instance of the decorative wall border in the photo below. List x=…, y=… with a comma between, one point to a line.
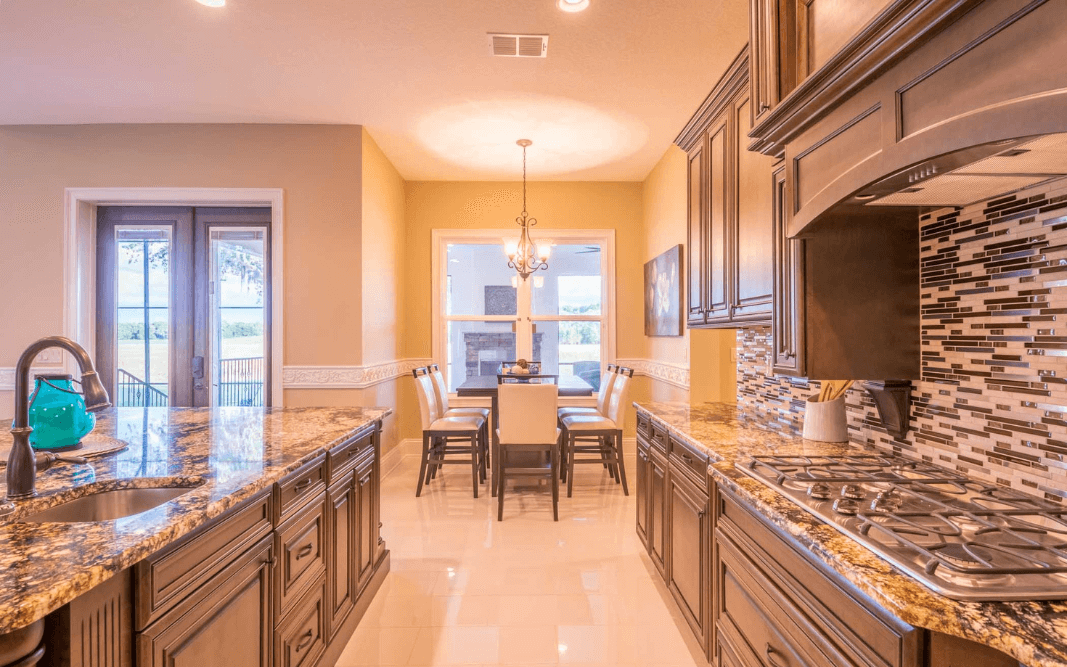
x=672, y=374
x=347, y=377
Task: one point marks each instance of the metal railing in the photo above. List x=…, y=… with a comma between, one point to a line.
x=136, y=393
x=240, y=382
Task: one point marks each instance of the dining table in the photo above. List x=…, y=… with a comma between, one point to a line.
x=482, y=386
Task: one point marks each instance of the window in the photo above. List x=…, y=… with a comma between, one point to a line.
x=484, y=313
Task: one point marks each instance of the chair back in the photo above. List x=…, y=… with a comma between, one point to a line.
x=603, y=396
x=528, y=413
x=440, y=389
x=421, y=370
x=623, y=370
x=427, y=400
x=620, y=394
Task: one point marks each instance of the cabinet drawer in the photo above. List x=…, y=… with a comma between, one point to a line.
x=692, y=461
x=301, y=553
x=775, y=630
x=658, y=437
x=644, y=426
x=302, y=638
x=343, y=457
x=169, y=575
x=856, y=627
x=300, y=486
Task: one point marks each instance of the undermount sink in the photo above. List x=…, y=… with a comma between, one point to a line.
x=107, y=505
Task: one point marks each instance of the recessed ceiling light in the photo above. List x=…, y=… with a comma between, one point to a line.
x=212, y=3
x=572, y=5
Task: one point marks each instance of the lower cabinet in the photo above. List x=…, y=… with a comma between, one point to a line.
x=642, y=475
x=280, y=580
x=204, y=628
x=690, y=542
x=657, y=515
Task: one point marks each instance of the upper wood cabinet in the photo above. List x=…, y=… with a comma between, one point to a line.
x=730, y=227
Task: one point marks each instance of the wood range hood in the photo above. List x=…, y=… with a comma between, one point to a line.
x=932, y=104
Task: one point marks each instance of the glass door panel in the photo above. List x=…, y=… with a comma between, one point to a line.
x=238, y=316
x=572, y=283
x=142, y=316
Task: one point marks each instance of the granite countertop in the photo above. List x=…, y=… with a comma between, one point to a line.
x=1035, y=633
x=225, y=454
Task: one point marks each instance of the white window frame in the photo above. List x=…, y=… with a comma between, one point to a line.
x=442, y=238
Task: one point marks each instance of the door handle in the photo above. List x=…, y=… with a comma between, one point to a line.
x=198, y=372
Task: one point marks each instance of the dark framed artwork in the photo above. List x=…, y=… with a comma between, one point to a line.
x=663, y=294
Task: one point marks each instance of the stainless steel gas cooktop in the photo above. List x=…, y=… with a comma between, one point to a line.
x=965, y=539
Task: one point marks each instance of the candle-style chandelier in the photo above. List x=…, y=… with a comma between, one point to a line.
x=524, y=255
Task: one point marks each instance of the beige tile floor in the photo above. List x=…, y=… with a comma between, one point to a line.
x=467, y=590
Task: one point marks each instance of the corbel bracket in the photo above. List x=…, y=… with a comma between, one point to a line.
x=893, y=400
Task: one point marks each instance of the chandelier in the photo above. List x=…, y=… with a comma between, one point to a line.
x=524, y=255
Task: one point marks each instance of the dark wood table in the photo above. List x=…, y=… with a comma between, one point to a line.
x=486, y=385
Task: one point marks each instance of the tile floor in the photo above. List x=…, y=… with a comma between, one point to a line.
x=467, y=590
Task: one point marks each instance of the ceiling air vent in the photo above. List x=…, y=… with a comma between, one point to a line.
x=518, y=46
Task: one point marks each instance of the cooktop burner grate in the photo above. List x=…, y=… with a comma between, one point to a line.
x=963, y=538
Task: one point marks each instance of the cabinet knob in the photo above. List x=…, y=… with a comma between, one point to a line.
x=764, y=107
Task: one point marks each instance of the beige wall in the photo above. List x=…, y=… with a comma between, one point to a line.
x=494, y=205
x=713, y=375
x=318, y=166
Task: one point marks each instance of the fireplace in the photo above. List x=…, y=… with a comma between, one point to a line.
x=485, y=350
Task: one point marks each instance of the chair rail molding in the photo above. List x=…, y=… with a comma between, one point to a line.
x=673, y=374
x=348, y=377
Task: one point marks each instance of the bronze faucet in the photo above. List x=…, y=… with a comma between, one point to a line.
x=21, y=465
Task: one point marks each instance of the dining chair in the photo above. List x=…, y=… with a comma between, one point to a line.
x=441, y=437
x=441, y=392
x=528, y=425
x=607, y=379
x=599, y=434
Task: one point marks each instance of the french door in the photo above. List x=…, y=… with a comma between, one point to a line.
x=183, y=305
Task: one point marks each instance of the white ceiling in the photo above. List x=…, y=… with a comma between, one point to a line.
x=620, y=80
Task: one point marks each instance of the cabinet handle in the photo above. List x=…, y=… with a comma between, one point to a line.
x=764, y=107
x=771, y=653
x=305, y=640
x=303, y=484
x=701, y=513
x=305, y=551
x=365, y=479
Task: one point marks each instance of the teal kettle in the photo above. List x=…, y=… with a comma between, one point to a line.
x=57, y=414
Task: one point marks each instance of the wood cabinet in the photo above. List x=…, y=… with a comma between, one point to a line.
x=657, y=514
x=689, y=544
x=204, y=628
x=343, y=522
x=729, y=209
x=787, y=308
x=643, y=475
x=279, y=580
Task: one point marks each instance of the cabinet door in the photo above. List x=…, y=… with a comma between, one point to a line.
x=763, y=57
x=227, y=621
x=341, y=571
x=718, y=200
x=753, y=246
x=366, y=490
x=697, y=235
x=688, y=553
x=787, y=319
x=642, y=493
x=657, y=515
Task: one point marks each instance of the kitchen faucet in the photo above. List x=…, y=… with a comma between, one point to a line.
x=21, y=467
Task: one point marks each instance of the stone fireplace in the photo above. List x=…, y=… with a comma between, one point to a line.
x=485, y=351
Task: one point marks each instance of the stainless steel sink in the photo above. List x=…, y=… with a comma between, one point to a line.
x=107, y=505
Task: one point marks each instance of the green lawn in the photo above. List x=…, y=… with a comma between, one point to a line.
x=131, y=354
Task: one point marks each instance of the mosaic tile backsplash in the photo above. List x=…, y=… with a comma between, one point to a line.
x=992, y=402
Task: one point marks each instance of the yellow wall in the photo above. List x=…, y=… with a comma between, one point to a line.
x=383, y=231
x=494, y=205
x=713, y=375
